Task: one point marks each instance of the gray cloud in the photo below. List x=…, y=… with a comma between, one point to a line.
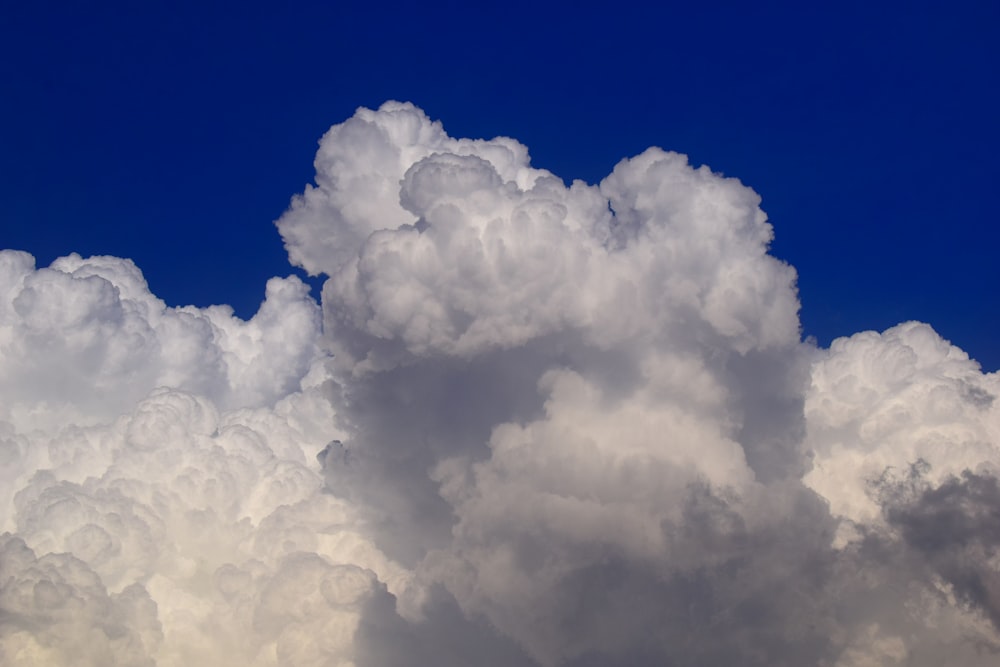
x=955, y=527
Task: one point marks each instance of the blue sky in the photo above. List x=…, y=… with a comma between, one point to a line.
x=175, y=133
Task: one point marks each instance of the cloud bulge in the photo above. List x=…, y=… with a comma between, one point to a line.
x=528, y=424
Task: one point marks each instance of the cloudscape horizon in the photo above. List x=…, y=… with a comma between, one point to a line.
x=528, y=423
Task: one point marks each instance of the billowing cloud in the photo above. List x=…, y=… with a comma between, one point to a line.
x=530, y=423
x=83, y=339
x=883, y=402
x=162, y=493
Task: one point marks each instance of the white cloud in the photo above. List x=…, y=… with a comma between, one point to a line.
x=160, y=478
x=81, y=340
x=563, y=425
x=885, y=401
x=458, y=246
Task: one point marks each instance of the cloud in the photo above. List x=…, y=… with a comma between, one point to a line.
x=163, y=497
x=437, y=245
x=84, y=337
x=955, y=527
x=530, y=424
x=885, y=401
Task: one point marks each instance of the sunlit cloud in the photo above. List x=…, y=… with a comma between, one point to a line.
x=529, y=423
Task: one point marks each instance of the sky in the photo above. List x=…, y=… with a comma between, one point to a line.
x=519, y=336
x=868, y=131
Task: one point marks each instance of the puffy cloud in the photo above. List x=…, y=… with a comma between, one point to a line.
x=57, y=612
x=531, y=424
x=458, y=247
x=886, y=401
x=583, y=410
x=210, y=522
x=164, y=503
x=81, y=340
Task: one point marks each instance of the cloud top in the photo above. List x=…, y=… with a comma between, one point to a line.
x=436, y=245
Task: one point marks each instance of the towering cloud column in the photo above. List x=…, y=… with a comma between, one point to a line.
x=585, y=415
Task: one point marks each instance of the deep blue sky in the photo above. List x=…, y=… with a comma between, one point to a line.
x=175, y=133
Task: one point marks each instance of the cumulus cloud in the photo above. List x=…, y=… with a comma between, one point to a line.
x=162, y=490
x=883, y=402
x=530, y=423
x=83, y=337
